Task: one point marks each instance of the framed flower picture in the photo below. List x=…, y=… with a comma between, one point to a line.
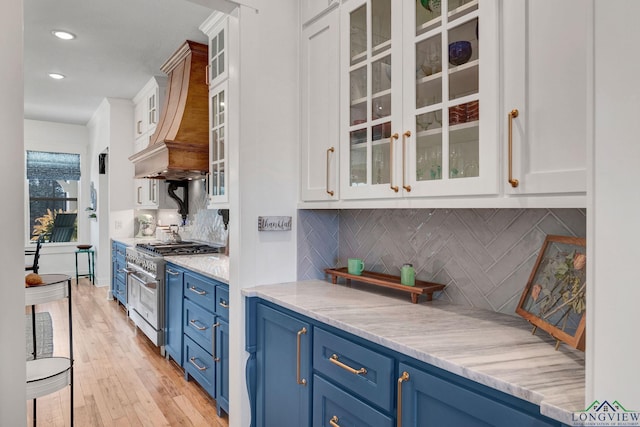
x=554, y=299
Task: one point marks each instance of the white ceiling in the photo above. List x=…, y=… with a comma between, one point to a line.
x=120, y=44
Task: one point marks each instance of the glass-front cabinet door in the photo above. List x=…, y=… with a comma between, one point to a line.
x=218, y=148
x=413, y=77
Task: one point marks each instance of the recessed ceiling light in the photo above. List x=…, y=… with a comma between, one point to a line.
x=64, y=35
x=57, y=76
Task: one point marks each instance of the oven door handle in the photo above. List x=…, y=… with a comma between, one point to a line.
x=150, y=285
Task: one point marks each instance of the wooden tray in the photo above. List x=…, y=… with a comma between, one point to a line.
x=387, y=281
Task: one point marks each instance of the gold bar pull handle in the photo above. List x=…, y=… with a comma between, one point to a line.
x=300, y=381
x=213, y=341
x=329, y=151
x=206, y=74
x=391, y=139
x=404, y=377
x=405, y=135
x=512, y=115
x=334, y=359
x=333, y=422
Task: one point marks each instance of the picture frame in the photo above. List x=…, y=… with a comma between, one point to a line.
x=554, y=298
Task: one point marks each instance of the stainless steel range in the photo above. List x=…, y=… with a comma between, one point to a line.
x=145, y=283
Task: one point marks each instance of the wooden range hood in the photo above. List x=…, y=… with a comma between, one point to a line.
x=179, y=148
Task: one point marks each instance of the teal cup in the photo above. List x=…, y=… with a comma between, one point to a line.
x=355, y=266
x=407, y=275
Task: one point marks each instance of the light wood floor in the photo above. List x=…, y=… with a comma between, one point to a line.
x=120, y=378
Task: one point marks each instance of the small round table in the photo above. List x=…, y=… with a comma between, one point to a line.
x=92, y=262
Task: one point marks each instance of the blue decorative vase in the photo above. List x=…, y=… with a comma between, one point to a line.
x=459, y=52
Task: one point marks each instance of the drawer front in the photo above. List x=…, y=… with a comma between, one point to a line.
x=332, y=403
x=120, y=291
x=200, y=290
x=333, y=356
x=198, y=324
x=200, y=366
x=222, y=302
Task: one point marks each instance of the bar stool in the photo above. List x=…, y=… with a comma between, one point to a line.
x=86, y=249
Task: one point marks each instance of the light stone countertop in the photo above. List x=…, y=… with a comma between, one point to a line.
x=215, y=266
x=493, y=349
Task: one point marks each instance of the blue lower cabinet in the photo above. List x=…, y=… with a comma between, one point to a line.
x=173, y=313
x=283, y=369
x=331, y=404
x=222, y=366
x=428, y=400
x=200, y=365
x=199, y=324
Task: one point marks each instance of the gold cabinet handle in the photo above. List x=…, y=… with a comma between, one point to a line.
x=300, y=381
x=404, y=377
x=512, y=115
x=333, y=422
x=329, y=151
x=192, y=360
x=213, y=341
x=206, y=74
x=334, y=359
x=391, y=139
x=405, y=135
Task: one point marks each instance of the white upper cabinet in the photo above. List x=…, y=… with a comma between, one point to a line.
x=310, y=9
x=147, y=193
x=218, y=29
x=320, y=112
x=419, y=97
x=146, y=111
x=546, y=45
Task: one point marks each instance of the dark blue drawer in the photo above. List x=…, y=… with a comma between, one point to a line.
x=331, y=403
x=222, y=302
x=198, y=324
x=334, y=356
x=200, y=366
x=200, y=290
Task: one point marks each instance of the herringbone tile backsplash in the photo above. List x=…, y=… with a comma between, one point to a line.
x=484, y=256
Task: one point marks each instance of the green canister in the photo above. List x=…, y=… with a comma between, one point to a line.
x=408, y=275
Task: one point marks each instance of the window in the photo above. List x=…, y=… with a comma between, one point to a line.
x=53, y=190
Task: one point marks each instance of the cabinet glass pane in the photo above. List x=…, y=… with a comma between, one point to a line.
x=358, y=84
x=463, y=60
x=381, y=86
x=221, y=180
x=214, y=180
x=380, y=25
x=429, y=72
x=458, y=8
x=463, y=140
x=429, y=146
x=428, y=15
x=380, y=153
x=221, y=108
x=358, y=38
x=358, y=157
x=214, y=144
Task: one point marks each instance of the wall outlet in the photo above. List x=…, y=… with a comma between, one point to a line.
x=118, y=225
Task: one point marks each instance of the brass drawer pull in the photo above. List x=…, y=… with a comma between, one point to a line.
x=334, y=359
x=404, y=377
x=333, y=422
x=197, y=291
x=405, y=135
x=300, y=381
x=192, y=360
x=329, y=151
x=512, y=115
x=391, y=172
x=195, y=325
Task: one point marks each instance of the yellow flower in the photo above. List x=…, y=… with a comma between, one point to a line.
x=579, y=260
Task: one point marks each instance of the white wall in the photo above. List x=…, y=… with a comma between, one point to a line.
x=111, y=130
x=264, y=178
x=63, y=138
x=12, y=369
x=613, y=372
